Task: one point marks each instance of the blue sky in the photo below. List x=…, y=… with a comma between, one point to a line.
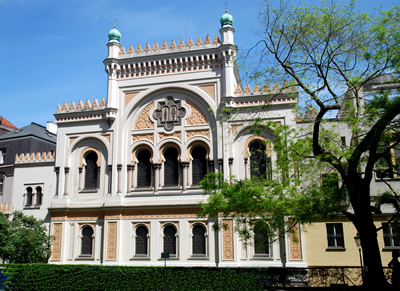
x=52, y=50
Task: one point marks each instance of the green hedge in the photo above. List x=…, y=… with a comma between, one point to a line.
x=84, y=277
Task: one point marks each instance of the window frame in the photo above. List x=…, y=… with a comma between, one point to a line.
x=179, y=172
x=255, y=254
x=205, y=166
x=162, y=234
x=267, y=160
x=192, y=255
x=336, y=237
x=96, y=171
x=134, y=242
x=2, y=184
x=150, y=164
x=80, y=241
x=389, y=234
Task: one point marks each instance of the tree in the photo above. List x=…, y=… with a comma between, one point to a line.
x=333, y=54
x=23, y=239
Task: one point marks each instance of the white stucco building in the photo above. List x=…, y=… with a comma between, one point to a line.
x=128, y=168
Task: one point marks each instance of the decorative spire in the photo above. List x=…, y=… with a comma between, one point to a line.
x=114, y=35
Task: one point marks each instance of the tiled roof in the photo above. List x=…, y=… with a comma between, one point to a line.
x=5, y=122
x=33, y=129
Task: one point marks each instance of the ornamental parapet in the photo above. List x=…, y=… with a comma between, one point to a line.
x=285, y=94
x=171, y=48
x=166, y=59
x=82, y=111
x=5, y=207
x=27, y=158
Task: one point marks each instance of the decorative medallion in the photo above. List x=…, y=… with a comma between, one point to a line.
x=169, y=113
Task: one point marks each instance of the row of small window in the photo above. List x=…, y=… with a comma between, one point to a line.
x=391, y=235
x=33, y=198
x=199, y=241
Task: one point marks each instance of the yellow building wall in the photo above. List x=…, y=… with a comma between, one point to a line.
x=318, y=254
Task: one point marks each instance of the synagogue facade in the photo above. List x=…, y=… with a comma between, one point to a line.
x=128, y=167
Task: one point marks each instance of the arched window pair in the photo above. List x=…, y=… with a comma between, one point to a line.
x=171, y=166
x=87, y=239
x=33, y=198
x=260, y=163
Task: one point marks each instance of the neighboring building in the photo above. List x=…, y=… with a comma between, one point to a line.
x=6, y=126
x=33, y=139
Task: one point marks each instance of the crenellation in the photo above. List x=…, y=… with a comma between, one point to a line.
x=147, y=48
x=25, y=158
x=5, y=207
x=172, y=46
x=130, y=50
x=94, y=105
x=199, y=42
x=138, y=49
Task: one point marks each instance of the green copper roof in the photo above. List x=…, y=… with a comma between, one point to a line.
x=226, y=20
x=114, y=35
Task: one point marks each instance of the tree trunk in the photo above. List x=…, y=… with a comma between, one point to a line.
x=373, y=269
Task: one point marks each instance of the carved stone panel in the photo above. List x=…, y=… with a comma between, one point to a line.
x=196, y=116
x=144, y=121
x=295, y=246
x=112, y=241
x=169, y=113
x=56, y=246
x=227, y=240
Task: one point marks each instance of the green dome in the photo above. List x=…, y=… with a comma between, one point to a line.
x=114, y=35
x=226, y=20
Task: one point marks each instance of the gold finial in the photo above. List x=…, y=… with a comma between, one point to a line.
x=226, y=6
x=115, y=22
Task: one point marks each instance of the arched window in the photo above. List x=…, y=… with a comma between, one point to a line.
x=91, y=171
x=87, y=241
x=199, y=240
x=38, y=195
x=144, y=169
x=1, y=185
x=261, y=241
x=28, y=196
x=170, y=240
x=258, y=160
x=141, y=243
x=171, y=167
x=199, y=164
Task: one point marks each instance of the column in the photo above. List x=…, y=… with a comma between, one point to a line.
x=66, y=174
x=185, y=167
x=156, y=169
x=119, y=168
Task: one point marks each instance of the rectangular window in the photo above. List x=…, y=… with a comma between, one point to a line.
x=2, y=156
x=391, y=235
x=330, y=183
x=334, y=233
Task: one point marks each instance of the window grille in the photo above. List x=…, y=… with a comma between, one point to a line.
x=91, y=171
x=199, y=240
x=391, y=235
x=199, y=165
x=144, y=169
x=38, y=196
x=258, y=160
x=171, y=169
x=28, y=196
x=87, y=241
x=261, y=241
x=170, y=240
x=141, y=240
x=335, y=235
